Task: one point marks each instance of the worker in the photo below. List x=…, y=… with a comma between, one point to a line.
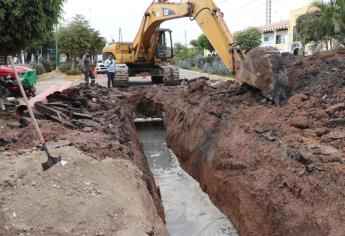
x=87, y=68
x=110, y=64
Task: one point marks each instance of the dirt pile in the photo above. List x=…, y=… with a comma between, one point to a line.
x=82, y=197
x=110, y=134
x=271, y=170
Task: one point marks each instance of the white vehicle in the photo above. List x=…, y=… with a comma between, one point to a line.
x=100, y=68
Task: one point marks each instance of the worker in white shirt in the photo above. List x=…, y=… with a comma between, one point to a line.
x=110, y=64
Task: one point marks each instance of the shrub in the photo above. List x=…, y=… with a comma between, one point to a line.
x=38, y=67
x=65, y=66
x=48, y=66
x=73, y=72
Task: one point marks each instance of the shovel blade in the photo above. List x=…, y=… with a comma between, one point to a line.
x=50, y=163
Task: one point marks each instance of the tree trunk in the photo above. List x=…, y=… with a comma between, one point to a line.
x=73, y=63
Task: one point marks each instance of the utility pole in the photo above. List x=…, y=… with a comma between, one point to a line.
x=56, y=48
x=185, y=38
x=120, y=35
x=268, y=12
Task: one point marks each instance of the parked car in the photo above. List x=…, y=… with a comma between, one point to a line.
x=100, y=68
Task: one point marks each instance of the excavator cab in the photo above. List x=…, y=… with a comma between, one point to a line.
x=164, y=46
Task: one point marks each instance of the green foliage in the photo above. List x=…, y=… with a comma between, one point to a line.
x=48, y=67
x=73, y=72
x=339, y=20
x=324, y=25
x=203, y=43
x=194, y=43
x=65, y=66
x=78, y=37
x=248, y=39
x=181, y=53
x=25, y=22
x=39, y=68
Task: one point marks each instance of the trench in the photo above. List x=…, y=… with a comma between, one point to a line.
x=188, y=210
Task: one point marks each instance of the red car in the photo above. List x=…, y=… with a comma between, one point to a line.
x=8, y=83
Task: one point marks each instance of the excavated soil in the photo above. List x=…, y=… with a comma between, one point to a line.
x=273, y=170
x=110, y=134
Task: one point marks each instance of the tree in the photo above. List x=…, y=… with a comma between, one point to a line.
x=25, y=22
x=248, y=39
x=194, y=43
x=203, y=43
x=305, y=28
x=78, y=37
x=339, y=20
x=323, y=25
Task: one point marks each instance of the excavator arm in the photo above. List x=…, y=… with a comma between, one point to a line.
x=261, y=68
x=204, y=12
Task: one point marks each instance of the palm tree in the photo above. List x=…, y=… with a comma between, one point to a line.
x=324, y=24
x=339, y=20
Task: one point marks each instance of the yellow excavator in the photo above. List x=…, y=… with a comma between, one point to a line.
x=152, y=49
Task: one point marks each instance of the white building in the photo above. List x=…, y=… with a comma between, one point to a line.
x=277, y=35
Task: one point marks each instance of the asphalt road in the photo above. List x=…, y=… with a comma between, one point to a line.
x=101, y=79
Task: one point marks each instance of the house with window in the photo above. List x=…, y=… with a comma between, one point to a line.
x=282, y=34
x=276, y=35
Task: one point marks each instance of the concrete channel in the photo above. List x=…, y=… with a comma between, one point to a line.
x=188, y=210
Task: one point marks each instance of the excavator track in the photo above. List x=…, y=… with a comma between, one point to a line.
x=171, y=76
x=121, y=76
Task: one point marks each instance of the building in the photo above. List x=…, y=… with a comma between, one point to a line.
x=282, y=34
x=276, y=35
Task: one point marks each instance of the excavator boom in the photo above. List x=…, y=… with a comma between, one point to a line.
x=261, y=68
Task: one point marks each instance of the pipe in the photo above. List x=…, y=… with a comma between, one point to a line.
x=148, y=120
x=42, y=97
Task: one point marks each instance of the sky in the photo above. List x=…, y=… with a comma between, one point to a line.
x=107, y=16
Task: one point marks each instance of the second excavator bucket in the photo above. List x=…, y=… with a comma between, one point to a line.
x=263, y=68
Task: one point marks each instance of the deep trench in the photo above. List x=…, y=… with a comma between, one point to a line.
x=188, y=210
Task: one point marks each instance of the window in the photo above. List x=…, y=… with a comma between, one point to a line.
x=266, y=39
x=280, y=39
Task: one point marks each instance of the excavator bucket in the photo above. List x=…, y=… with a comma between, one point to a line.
x=263, y=68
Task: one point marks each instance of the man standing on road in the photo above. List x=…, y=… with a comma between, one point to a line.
x=110, y=63
x=87, y=68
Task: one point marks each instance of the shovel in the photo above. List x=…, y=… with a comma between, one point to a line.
x=51, y=160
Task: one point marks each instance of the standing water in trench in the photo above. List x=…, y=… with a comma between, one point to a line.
x=188, y=210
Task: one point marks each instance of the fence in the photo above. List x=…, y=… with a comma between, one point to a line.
x=211, y=64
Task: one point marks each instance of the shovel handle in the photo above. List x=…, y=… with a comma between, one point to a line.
x=34, y=121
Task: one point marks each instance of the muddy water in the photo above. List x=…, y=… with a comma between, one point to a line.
x=188, y=210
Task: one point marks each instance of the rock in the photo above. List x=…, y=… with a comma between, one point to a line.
x=92, y=107
x=337, y=135
x=14, y=125
x=337, y=107
x=322, y=131
x=320, y=114
x=300, y=122
x=335, y=123
x=298, y=99
x=58, y=144
x=87, y=129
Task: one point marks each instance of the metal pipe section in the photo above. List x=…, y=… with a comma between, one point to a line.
x=148, y=120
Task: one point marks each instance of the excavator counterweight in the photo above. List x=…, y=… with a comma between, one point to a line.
x=151, y=50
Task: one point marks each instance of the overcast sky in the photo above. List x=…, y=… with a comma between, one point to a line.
x=108, y=16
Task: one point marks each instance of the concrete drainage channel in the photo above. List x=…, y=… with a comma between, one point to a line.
x=188, y=210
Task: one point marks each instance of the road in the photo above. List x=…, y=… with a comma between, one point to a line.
x=59, y=79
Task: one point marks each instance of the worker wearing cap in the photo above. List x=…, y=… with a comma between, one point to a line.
x=87, y=68
x=110, y=63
